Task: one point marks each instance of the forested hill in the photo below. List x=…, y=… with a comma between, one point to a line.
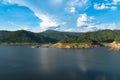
x=22, y=36
x=57, y=35
x=50, y=36
x=105, y=36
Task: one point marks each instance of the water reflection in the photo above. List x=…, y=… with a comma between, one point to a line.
x=24, y=63
x=84, y=64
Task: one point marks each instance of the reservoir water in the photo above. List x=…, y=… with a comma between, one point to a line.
x=25, y=63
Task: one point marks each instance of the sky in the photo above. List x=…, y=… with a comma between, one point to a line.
x=61, y=15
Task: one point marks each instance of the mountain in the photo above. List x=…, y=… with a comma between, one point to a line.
x=22, y=36
x=101, y=36
x=51, y=36
x=58, y=35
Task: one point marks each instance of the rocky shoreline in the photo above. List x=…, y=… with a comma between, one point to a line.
x=67, y=45
x=42, y=46
x=113, y=45
x=74, y=45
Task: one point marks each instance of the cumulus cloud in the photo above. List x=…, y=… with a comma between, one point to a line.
x=116, y=1
x=72, y=10
x=84, y=20
x=85, y=23
x=47, y=22
x=111, y=26
x=108, y=5
x=100, y=6
x=113, y=7
x=74, y=5
x=78, y=2
x=102, y=26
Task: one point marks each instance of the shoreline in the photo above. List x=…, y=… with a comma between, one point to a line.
x=67, y=45
x=113, y=45
x=19, y=44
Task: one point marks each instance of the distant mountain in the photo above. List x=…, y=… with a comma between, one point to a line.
x=50, y=31
x=58, y=35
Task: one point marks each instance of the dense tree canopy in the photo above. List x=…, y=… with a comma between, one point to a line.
x=23, y=36
x=93, y=37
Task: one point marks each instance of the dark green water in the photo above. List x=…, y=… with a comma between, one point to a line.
x=25, y=63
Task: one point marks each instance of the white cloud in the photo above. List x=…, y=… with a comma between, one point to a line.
x=108, y=5
x=111, y=26
x=116, y=1
x=47, y=21
x=101, y=26
x=72, y=10
x=84, y=20
x=78, y=2
x=100, y=6
x=74, y=5
x=95, y=27
x=113, y=7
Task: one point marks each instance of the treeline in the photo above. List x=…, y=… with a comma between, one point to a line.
x=23, y=36
x=105, y=36
x=50, y=36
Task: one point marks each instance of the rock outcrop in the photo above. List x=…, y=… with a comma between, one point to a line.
x=73, y=45
x=114, y=45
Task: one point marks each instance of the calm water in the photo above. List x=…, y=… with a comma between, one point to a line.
x=25, y=63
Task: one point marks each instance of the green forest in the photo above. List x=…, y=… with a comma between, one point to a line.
x=105, y=36
x=50, y=36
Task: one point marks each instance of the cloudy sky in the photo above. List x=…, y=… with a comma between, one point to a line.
x=62, y=15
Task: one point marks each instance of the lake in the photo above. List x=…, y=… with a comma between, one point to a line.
x=25, y=63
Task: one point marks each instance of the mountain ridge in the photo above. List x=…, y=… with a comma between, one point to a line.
x=52, y=36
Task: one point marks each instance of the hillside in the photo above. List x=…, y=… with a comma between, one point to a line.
x=102, y=36
x=22, y=36
x=57, y=35
x=50, y=36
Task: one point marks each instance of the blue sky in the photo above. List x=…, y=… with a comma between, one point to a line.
x=62, y=15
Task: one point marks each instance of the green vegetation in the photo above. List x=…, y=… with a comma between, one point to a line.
x=58, y=36
x=22, y=36
x=102, y=36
